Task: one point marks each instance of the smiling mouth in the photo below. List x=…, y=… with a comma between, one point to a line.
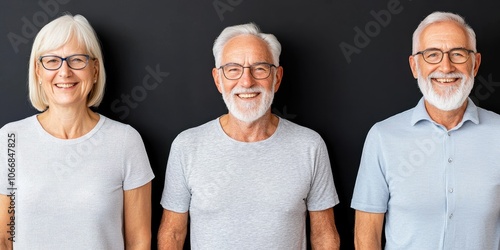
x=247, y=95
x=65, y=85
x=446, y=80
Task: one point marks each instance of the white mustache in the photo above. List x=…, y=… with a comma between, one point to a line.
x=240, y=90
x=445, y=75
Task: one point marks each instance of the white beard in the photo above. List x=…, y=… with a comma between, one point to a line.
x=451, y=97
x=248, y=112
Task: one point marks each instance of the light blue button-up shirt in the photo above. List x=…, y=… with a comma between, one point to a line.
x=439, y=188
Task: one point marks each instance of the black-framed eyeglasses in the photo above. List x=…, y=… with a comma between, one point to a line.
x=435, y=56
x=259, y=71
x=77, y=61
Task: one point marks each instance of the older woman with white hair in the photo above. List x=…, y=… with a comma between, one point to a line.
x=71, y=178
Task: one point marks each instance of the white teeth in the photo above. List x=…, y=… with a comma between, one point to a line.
x=247, y=95
x=444, y=80
x=65, y=85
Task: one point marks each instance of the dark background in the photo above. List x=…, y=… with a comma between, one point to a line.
x=340, y=96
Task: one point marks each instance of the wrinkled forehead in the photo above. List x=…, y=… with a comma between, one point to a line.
x=444, y=35
x=246, y=47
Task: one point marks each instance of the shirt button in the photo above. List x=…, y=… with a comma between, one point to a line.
x=451, y=216
x=450, y=160
x=449, y=133
x=450, y=190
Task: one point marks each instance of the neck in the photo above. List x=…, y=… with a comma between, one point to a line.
x=68, y=123
x=258, y=130
x=449, y=119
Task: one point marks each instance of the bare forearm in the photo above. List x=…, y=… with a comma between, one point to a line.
x=137, y=209
x=173, y=230
x=144, y=245
x=368, y=231
x=330, y=241
x=6, y=244
x=5, y=220
x=367, y=242
x=324, y=233
x=170, y=241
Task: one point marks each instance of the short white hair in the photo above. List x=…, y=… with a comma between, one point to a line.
x=437, y=17
x=245, y=29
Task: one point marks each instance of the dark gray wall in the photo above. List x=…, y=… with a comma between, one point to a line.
x=340, y=94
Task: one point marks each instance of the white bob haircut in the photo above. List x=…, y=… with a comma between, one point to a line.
x=437, y=17
x=54, y=35
x=245, y=29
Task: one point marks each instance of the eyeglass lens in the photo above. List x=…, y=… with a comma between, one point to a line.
x=234, y=71
x=434, y=56
x=55, y=62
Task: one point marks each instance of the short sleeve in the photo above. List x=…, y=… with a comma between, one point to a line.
x=371, y=191
x=323, y=194
x=176, y=194
x=137, y=170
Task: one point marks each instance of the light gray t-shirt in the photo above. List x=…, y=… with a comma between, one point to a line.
x=68, y=194
x=248, y=195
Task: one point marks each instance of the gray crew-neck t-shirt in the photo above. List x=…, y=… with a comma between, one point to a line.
x=69, y=193
x=248, y=195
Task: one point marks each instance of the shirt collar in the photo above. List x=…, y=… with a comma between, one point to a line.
x=420, y=114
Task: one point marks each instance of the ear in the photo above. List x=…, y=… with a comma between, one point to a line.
x=96, y=68
x=216, y=76
x=477, y=62
x=413, y=66
x=37, y=71
x=279, y=77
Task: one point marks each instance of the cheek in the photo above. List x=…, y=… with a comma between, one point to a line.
x=468, y=69
x=86, y=76
x=227, y=86
x=269, y=85
x=426, y=70
x=47, y=75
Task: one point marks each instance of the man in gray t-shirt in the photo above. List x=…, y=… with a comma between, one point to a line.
x=247, y=179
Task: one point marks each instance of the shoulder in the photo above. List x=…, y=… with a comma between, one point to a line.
x=298, y=132
x=392, y=128
x=395, y=122
x=397, y=119
x=108, y=122
x=488, y=117
x=20, y=125
x=198, y=133
x=488, y=125
x=116, y=128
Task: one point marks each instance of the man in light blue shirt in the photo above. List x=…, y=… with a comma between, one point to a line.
x=433, y=172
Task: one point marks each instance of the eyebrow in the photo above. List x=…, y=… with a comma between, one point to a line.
x=229, y=63
x=433, y=48
x=261, y=62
